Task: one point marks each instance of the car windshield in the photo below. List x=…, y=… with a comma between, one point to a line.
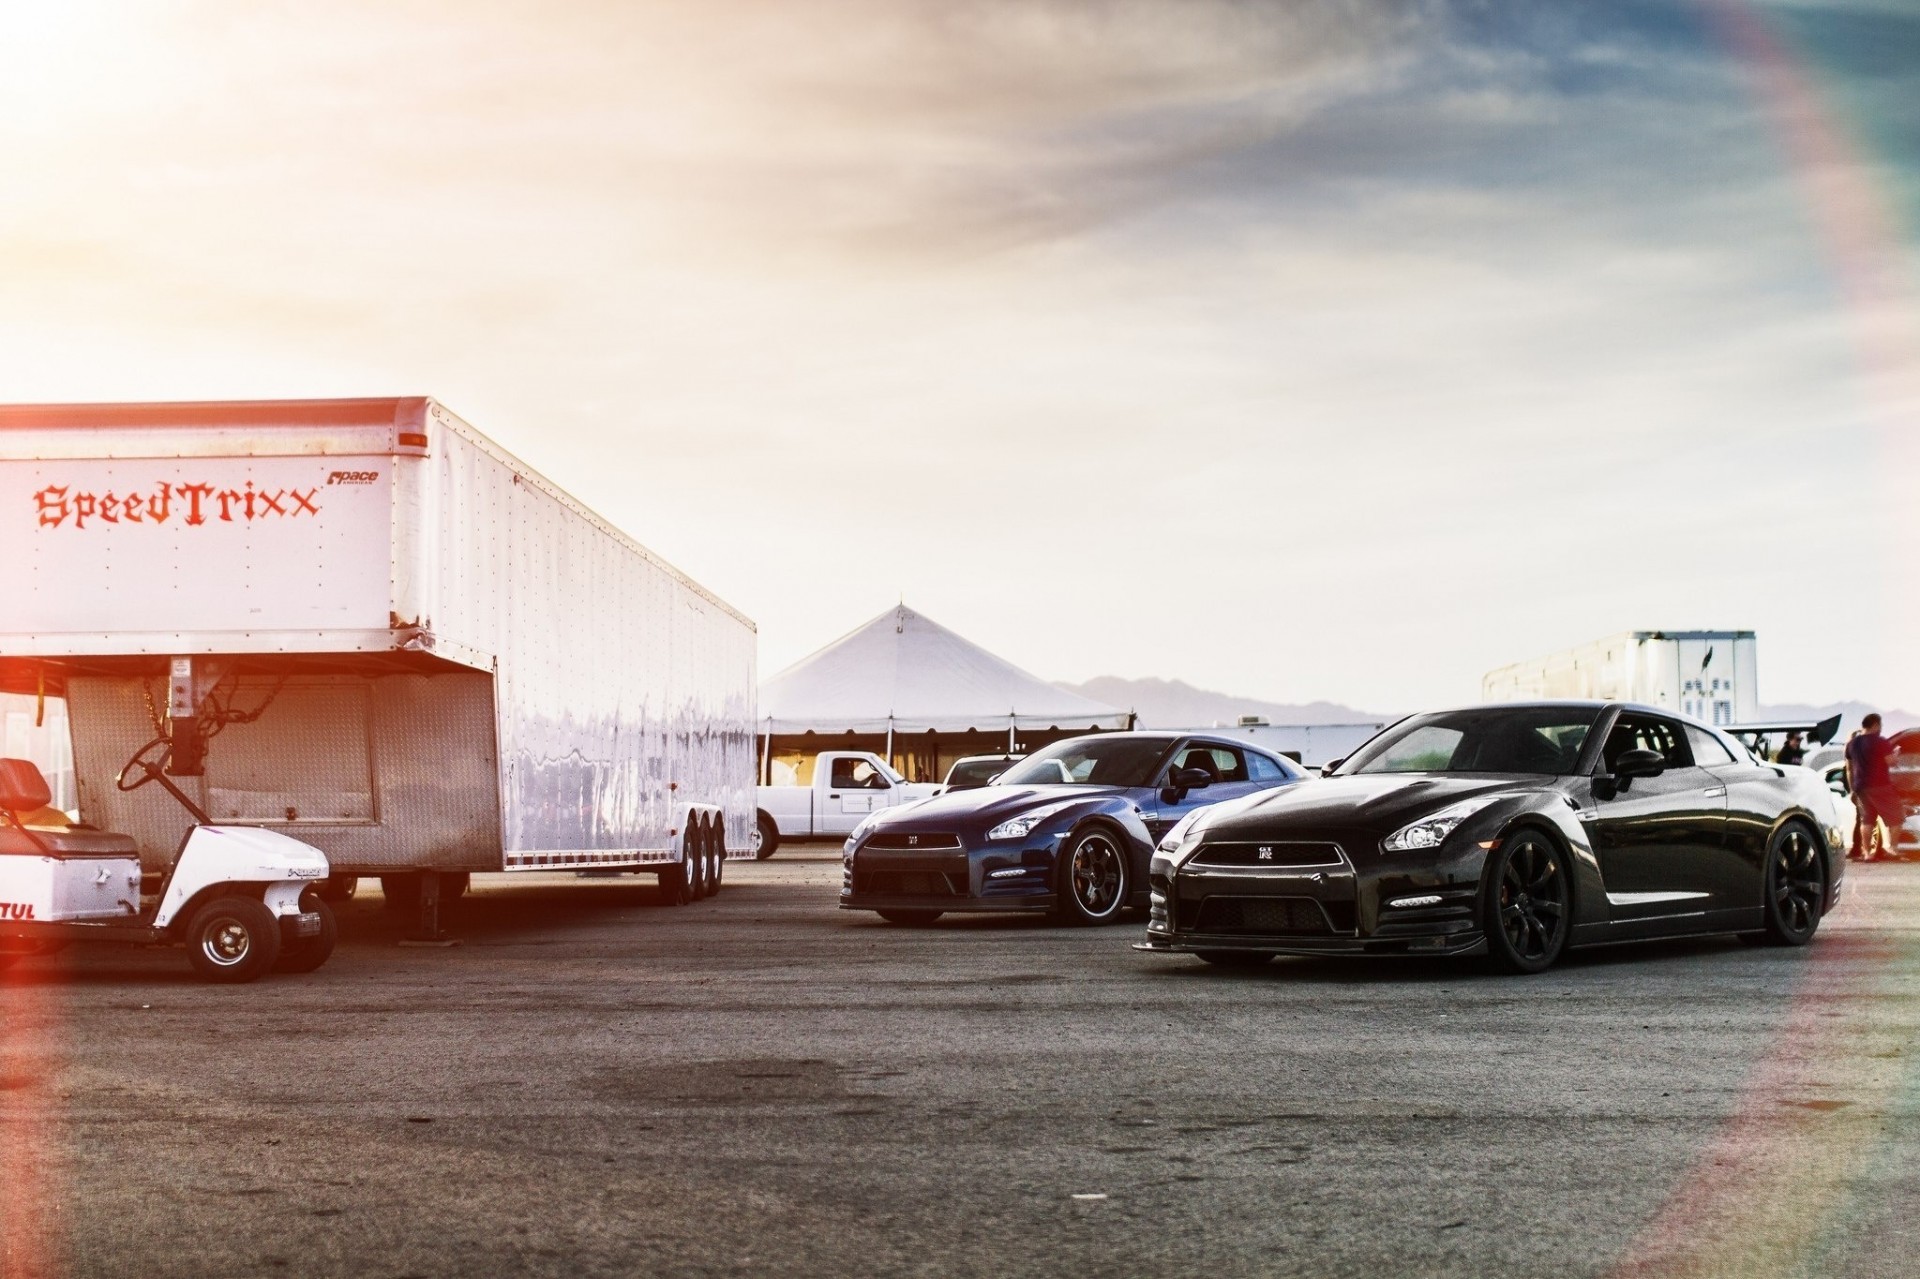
x=976, y=772
x=1543, y=740
x=1090, y=761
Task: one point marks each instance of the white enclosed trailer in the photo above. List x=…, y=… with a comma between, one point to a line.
x=363, y=623
x=1710, y=675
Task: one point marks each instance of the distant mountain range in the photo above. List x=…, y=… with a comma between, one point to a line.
x=1172, y=703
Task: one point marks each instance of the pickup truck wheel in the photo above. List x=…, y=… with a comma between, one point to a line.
x=909, y=918
x=233, y=939
x=765, y=837
x=304, y=954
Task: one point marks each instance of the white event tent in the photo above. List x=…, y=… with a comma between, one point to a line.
x=903, y=673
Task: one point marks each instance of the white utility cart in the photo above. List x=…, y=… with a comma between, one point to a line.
x=241, y=900
x=362, y=623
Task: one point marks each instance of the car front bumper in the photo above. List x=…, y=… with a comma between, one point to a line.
x=944, y=872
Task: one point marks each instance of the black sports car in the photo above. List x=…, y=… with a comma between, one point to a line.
x=1514, y=831
x=1068, y=829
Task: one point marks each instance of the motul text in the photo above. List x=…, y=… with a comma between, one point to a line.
x=16, y=910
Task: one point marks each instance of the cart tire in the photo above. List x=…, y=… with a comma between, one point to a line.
x=305, y=954
x=767, y=837
x=233, y=940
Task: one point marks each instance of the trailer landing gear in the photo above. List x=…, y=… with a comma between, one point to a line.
x=420, y=894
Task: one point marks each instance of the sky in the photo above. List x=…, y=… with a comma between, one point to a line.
x=1337, y=350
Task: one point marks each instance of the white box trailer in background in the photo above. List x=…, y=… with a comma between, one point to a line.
x=1711, y=675
x=364, y=624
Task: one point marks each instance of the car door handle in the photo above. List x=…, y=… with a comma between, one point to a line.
x=833, y=795
x=1716, y=792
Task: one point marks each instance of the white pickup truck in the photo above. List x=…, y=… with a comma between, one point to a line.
x=847, y=785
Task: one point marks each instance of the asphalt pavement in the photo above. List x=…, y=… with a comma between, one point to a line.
x=596, y=1083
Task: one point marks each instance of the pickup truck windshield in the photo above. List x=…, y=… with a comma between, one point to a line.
x=1541, y=740
x=1090, y=761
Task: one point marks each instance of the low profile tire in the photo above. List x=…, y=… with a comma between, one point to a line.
x=1796, y=886
x=1093, y=878
x=233, y=940
x=1526, y=903
x=909, y=918
x=1234, y=958
x=304, y=954
x=765, y=837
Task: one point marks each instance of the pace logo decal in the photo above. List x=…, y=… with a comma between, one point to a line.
x=16, y=910
x=353, y=477
x=191, y=504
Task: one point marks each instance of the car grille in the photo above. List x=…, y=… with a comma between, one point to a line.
x=1265, y=916
x=908, y=883
x=1271, y=853
x=914, y=842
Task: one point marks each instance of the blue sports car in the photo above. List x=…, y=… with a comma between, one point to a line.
x=1068, y=830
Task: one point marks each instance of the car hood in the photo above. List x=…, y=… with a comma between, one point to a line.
x=990, y=804
x=1374, y=801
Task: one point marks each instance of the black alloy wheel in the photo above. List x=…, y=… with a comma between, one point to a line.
x=1796, y=885
x=233, y=939
x=1235, y=958
x=909, y=918
x=1527, y=903
x=1090, y=885
x=765, y=838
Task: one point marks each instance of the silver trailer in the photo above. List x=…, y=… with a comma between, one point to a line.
x=1710, y=675
x=363, y=623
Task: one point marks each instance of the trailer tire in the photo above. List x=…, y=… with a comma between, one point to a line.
x=710, y=859
x=696, y=855
x=676, y=886
x=307, y=953
x=338, y=888
x=402, y=893
x=719, y=857
x=766, y=837
x=233, y=940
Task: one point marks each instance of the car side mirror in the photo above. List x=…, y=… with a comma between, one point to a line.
x=1631, y=764
x=1182, y=780
x=1332, y=766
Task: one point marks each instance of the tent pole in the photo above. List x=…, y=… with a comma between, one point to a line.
x=1009, y=736
x=766, y=756
x=889, y=741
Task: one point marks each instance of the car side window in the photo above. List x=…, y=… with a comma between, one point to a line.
x=1707, y=749
x=1262, y=769
x=856, y=774
x=1646, y=733
x=1222, y=763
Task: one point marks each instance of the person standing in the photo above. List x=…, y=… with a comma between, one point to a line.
x=1791, y=751
x=1870, y=779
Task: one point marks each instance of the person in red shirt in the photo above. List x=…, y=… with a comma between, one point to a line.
x=1870, y=781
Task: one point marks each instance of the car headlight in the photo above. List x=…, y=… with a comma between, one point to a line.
x=1431, y=831
x=1171, y=841
x=1016, y=828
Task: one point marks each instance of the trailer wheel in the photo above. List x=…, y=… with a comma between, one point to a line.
x=676, y=885
x=339, y=888
x=719, y=858
x=305, y=954
x=765, y=838
x=233, y=939
x=402, y=893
